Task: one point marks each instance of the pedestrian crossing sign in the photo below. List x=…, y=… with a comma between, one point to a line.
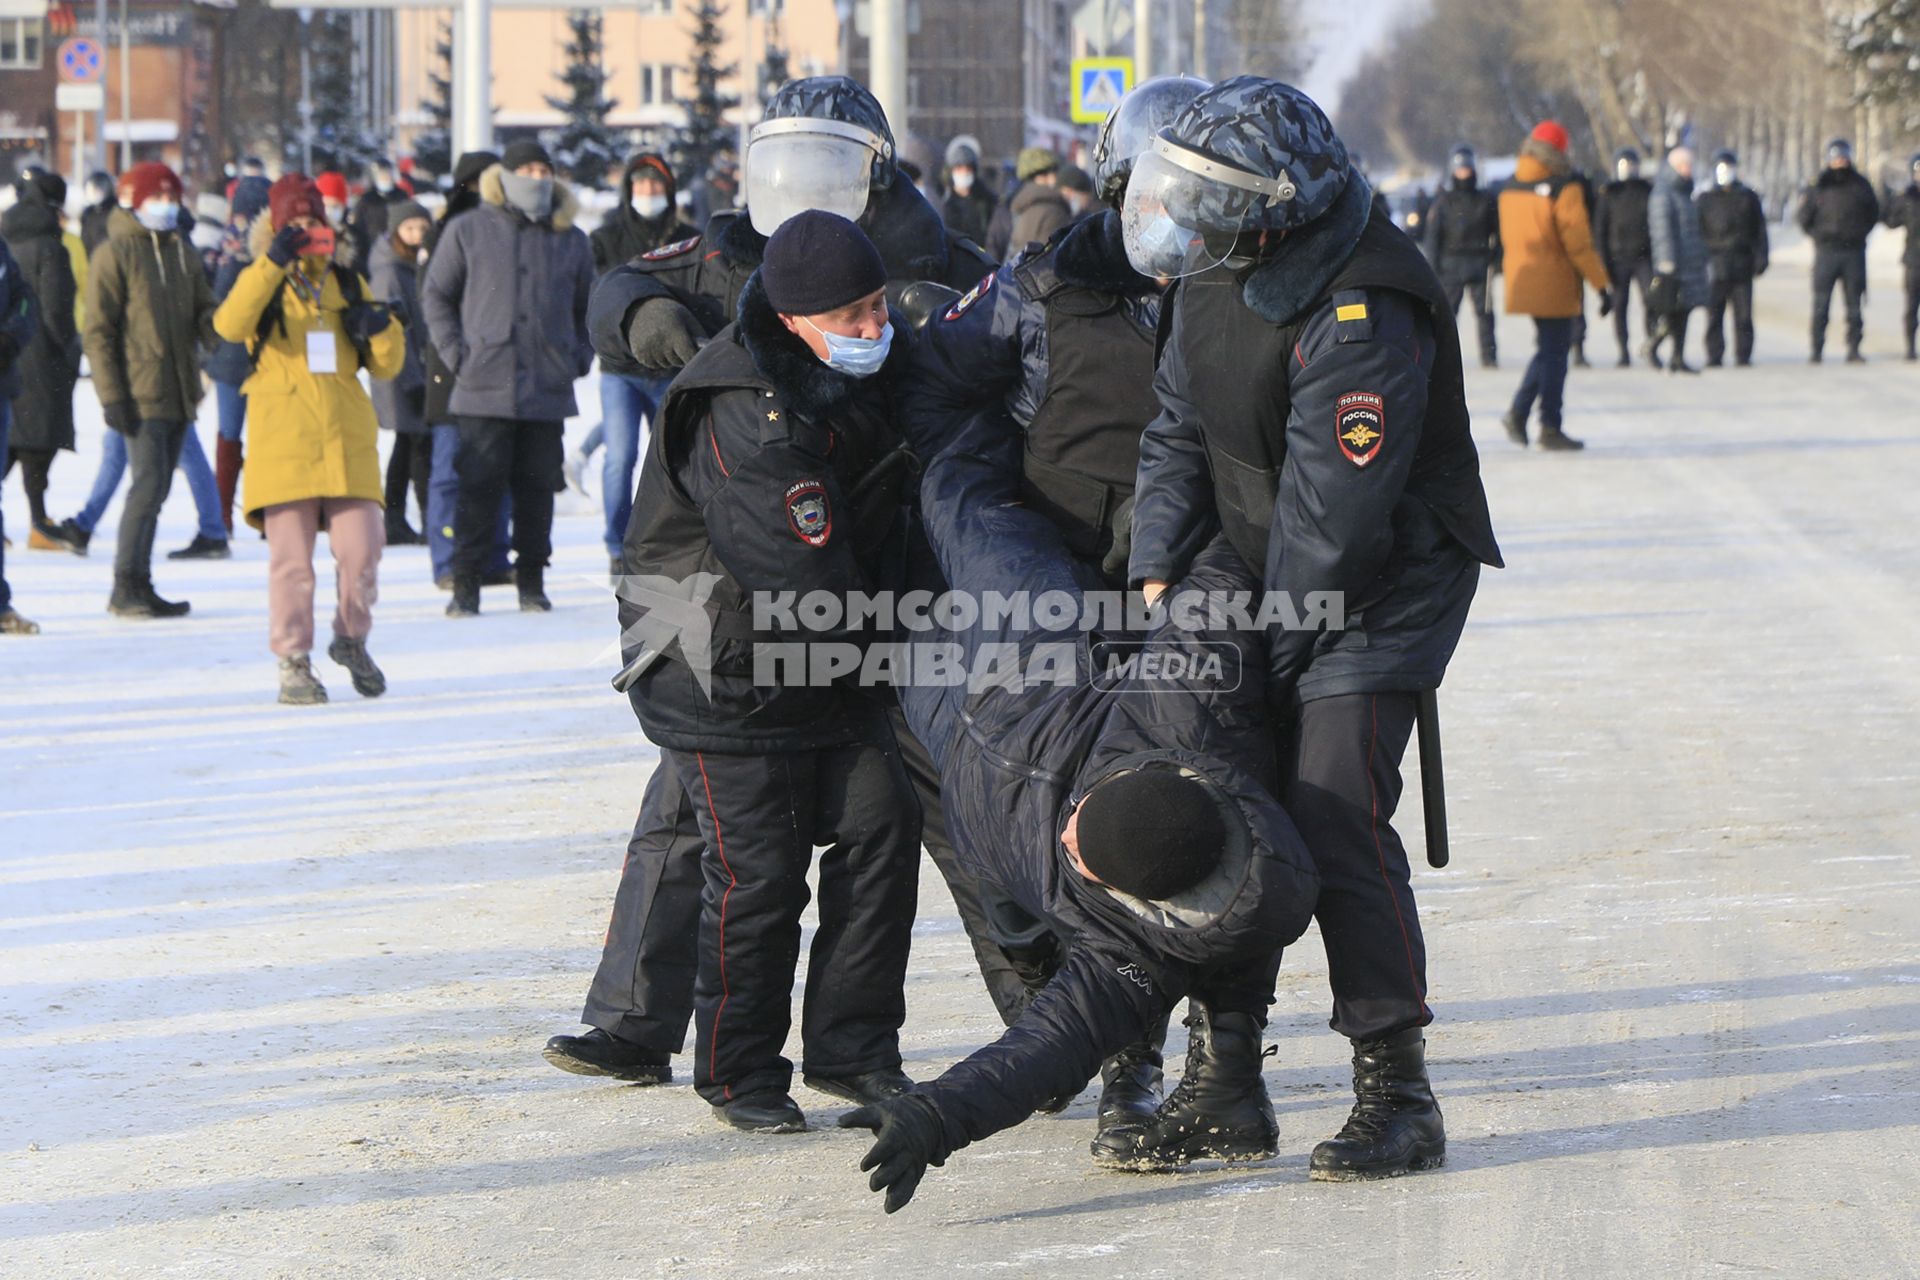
x=1098, y=86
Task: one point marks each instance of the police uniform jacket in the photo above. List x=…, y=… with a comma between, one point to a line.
x=1734, y=227
x=1313, y=411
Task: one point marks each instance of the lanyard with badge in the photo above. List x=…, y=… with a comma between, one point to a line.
x=323, y=355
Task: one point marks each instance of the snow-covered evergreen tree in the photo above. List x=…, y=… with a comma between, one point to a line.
x=433, y=146
x=706, y=132
x=341, y=137
x=585, y=147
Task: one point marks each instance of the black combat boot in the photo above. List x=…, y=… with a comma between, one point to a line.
x=865, y=1088
x=1129, y=1096
x=1853, y=354
x=466, y=596
x=531, y=580
x=136, y=598
x=1395, y=1126
x=1219, y=1110
x=769, y=1111
x=601, y=1053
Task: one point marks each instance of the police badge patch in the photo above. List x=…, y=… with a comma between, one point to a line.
x=1359, y=425
x=808, y=514
x=972, y=296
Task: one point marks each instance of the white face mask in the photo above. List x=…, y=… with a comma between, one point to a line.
x=649, y=206
x=336, y=213
x=963, y=180
x=158, y=215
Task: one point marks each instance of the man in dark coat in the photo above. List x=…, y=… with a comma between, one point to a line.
x=1903, y=210
x=1337, y=459
x=1838, y=212
x=1130, y=808
x=19, y=320
x=1462, y=236
x=1620, y=233
x=505, y=297
x=644, y=220
x=101, y=202
x=369, y=220
x=1734, y=227
x=968, y=207
x=756, y=483
x=48, y=367
x=649, y=318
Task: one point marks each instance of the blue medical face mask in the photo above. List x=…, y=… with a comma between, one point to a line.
x=855, y=357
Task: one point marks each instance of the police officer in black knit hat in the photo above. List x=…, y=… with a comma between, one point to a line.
x=758, y=479
x=1312, y=411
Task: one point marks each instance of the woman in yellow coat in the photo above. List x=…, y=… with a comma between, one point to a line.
x=313, y=461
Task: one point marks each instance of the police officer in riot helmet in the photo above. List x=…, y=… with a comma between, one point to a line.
x=1312, y=411
x=1059, y=349
x=824, y=144
x=1734, y=227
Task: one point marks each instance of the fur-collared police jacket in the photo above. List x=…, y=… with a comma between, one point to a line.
x=1312, y=410
x=1062, y=341
x=769, y=472
x=1016, y=759
x=707, y=273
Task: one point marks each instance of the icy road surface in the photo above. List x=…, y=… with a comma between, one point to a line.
x=274, y=981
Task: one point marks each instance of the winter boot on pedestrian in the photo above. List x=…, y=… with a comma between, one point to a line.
x=228, y=463
x=601, y=1053
x=1130, y=1083
x=203, y=548
x=1395, y=1126
x=466, y=596
x=45, y=536
x=1220, y=1109
x=136, y=598
x=1554, y=440
x=14, y=623
x=531, y=580
x=74, y=536
x=299, y=687
x=863, y=1089
x=400, y=533
x=368, y=680
x=1516, y=427
x=768, y=1111
x=1854, y=356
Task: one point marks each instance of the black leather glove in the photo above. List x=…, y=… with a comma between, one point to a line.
x=286, y=246
x=663, y=336
x=1114, y=564
x=123, y=417
x=363, y=321
x=908, y=1136
x=1606, y=303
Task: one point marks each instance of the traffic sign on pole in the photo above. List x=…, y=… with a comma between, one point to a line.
x=1098, y=86
x=79, y=97
x=81, y=61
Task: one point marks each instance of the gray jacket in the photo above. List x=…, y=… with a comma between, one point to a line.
x=1673, y=226
x=398, y=402
x=506, y=302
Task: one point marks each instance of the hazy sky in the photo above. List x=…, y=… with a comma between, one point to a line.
x=1343, y=30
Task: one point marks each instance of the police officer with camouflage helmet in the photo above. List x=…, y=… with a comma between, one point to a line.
x=1312, y=410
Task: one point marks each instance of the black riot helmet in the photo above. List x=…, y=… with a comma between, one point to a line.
x=1129, y=129
x=824, y=144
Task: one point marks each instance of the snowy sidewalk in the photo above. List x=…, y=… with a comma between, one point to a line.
x=273, y=981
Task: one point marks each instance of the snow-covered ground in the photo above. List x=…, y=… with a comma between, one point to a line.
x=273, y=981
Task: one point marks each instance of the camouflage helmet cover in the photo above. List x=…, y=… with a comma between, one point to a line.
x=1130, y=127
x=1273, y=131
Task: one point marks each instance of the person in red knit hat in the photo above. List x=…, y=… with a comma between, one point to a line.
x=1547, y=248
x=333, y=195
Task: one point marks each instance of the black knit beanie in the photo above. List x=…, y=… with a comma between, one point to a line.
x=519, y=153
x=1151, y=833
x=818, y=261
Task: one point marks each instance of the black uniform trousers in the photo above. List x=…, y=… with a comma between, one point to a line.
x=152, y=454
x=495, y=455
x=1728, y=286
x=1910, y=315
x=762, y=816
x=643, y=989
x=1474, y=287
x=1848, y=269
x=1625, y=275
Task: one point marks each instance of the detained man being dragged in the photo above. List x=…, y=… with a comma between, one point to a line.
x=775, y=468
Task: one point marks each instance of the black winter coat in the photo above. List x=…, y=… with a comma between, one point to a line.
x=624, y=235
x=1016, y=760
x=93, y=224
x=706, y=274
x=1620, y=225
x=971, y=214
x=48, y=366
x=1840, y=210
x=749, y=486
x=1462, y=232
x=1734, y=226
x=1081, y=422
x=1903, y=210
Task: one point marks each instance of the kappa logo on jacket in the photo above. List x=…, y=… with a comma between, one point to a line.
x=808, y=512
x=1359, y=425
x=1136, y=975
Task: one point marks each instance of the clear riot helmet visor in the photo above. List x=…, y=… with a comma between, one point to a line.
x=801, y=163
x=1185, y=213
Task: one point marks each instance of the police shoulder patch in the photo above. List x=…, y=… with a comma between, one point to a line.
x=673, y=250
x=1360, y=425
x=809, y=514
x=972, y=296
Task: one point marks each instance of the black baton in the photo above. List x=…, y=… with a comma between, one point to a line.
x=1433, y=783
